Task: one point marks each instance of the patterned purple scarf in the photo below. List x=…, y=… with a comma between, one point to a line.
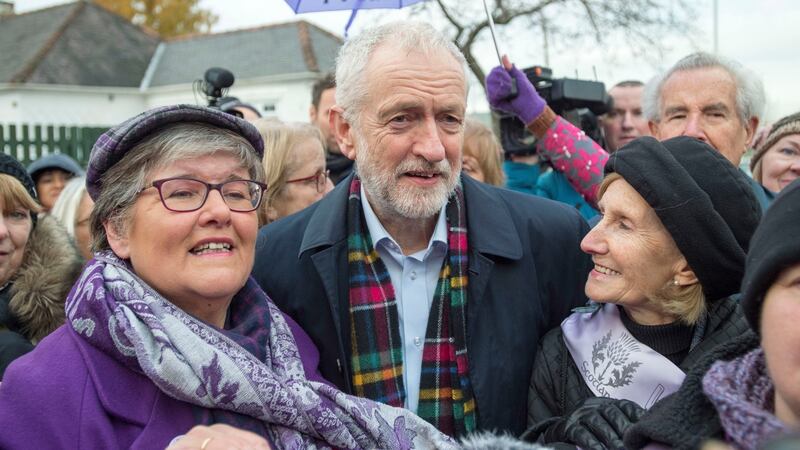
x=445, y=398
x=744, y=396
x=251, y=370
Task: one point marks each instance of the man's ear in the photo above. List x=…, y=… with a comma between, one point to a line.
x=312, y=114
x=684, y=274
x=653, y=128
x=117, y=240
x=750, y=127
x=343, y=132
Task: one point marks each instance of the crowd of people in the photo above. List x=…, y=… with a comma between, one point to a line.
x=387, y=276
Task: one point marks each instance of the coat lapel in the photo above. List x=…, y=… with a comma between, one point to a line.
x=325, y=239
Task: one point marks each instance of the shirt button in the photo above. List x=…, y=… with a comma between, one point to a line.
x=413, y=275
x=418, y=341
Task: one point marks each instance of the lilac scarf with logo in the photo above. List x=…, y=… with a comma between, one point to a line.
x=259, y=374
x=613, y=363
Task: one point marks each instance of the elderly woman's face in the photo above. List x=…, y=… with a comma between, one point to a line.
x=634, y=256
x=780, y=338
x=194, y=259
x=15, y=229
x=309, y=160
x=780, y=164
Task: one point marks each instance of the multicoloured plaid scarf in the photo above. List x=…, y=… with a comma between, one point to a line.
x=445, y=393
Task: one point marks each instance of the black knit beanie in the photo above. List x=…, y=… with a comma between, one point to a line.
x=775, y=246
x=705, y=203
x=10, y=166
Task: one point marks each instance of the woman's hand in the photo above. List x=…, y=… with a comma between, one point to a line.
x=598, y=423
x=527, y=104
x=219, y=437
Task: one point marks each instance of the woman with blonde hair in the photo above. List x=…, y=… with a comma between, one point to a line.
x=294, y=160
x=483, y=155
x=38, y=265
x=669, y=254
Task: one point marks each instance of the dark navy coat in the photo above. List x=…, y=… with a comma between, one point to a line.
x=526, y=272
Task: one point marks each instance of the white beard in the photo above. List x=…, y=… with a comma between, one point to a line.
x=411, y=202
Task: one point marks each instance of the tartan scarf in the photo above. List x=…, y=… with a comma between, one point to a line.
x=445, y=393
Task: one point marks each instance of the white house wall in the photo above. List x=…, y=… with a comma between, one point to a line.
x=285, y=100
x=68, y=105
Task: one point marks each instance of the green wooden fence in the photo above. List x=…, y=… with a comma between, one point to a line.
x=29, y=142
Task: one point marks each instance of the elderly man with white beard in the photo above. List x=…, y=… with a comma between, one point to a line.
x=421, y=287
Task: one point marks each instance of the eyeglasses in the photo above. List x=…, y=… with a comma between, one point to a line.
x=320, y=178
x=187, y=194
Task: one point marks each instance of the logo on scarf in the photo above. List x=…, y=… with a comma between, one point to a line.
x=610, y=366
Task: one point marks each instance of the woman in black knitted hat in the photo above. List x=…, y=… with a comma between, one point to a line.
x=668, y=254
x=746, y=391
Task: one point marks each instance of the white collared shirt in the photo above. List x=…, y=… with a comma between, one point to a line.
x=414, y=279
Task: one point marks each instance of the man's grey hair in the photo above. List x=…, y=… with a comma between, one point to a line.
x=407, y=36
x=750, y=97
x=122, y=182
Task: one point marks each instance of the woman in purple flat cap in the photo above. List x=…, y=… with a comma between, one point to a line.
x=169, y=342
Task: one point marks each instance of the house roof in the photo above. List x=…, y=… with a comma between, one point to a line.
x=74, y=44
x=83, y=44
x=280, y=49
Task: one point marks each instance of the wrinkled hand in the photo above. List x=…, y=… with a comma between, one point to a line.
x=527, y=104
x=598, y=423
x=219, y=437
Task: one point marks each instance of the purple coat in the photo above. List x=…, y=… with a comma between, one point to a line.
x=68, y=394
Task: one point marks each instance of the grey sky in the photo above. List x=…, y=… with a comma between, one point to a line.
x=762, y=35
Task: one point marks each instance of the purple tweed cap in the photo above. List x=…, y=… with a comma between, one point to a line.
x=114, y=143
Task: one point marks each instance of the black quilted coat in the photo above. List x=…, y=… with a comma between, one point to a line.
x=557, y=388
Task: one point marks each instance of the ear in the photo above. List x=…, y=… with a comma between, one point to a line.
x=750, y=128
x=653, y=128
x=312, y=113
x=343, y=132
x=684, y=274
x=118, y=240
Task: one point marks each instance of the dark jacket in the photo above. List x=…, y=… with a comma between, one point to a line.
x=32, y=305
x=526, y=272
x=557, y=387
x=666, y=422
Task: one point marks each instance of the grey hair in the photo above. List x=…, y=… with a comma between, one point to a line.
x=122, y=183
x=66, y=207
x=407, y=35
x=750, y=97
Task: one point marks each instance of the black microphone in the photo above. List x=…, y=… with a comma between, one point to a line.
x=217, y=79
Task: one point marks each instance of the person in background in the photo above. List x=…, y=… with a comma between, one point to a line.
x=576, y=159
x=238, y=108
x=710, y=98
x=167, y=334
x=38, y=265
x=625, y=122
x=776, y=162
x=323, y=98
x=412, y=279
x=295, y=165
x=73, y=210
x=746, y=391
x=51, y=173
x=668, y=255
x=483, y=156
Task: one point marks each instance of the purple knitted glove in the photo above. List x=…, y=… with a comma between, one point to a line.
x=527, y=105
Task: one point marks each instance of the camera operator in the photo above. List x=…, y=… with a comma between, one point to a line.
x=570, y=151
